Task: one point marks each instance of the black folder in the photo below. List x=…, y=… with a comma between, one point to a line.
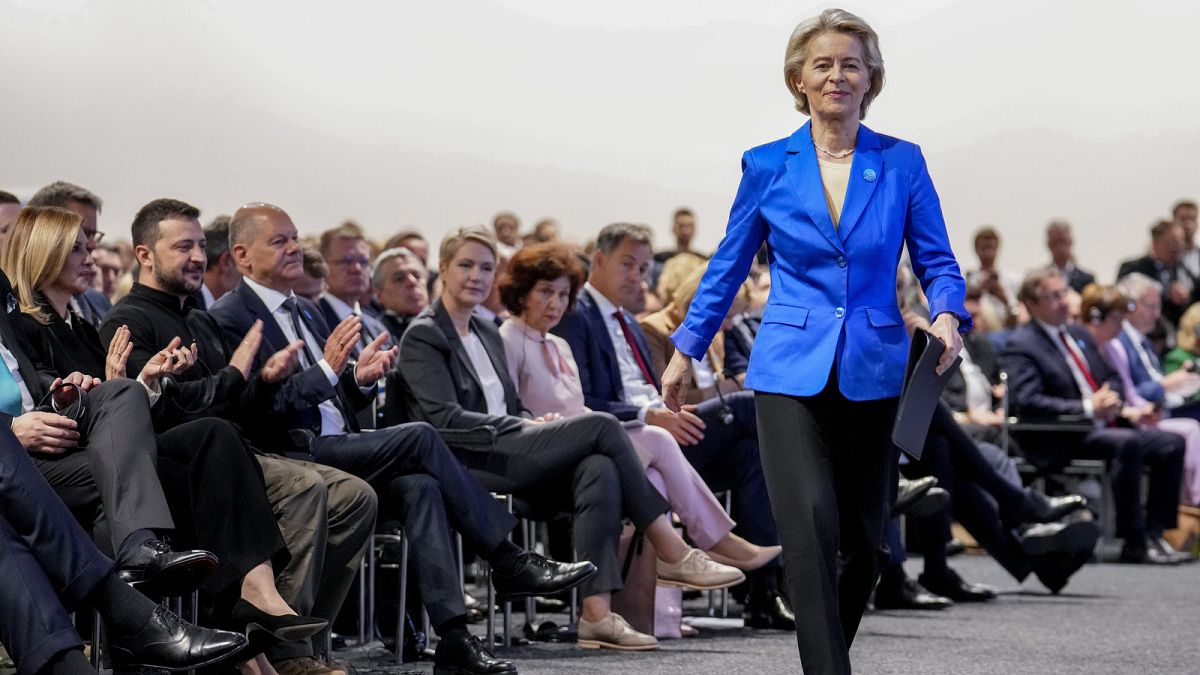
x=922, y=390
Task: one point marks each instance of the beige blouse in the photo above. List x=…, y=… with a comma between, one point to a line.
x=835, y=177
x=543, y=370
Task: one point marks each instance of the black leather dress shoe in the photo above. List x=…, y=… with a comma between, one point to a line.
x=952, y=586
x=168, y=642
x=934, y=501
x=1073, y=534
x=769, y=612
x=1055, y=569
x=540, y=575
x=1043, y=509
x=905, y=593
x=909, y=491
x=157, y=571
x=461, y=653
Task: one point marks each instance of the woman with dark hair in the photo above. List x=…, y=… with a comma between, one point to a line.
x=539, y=290
x=214, y=487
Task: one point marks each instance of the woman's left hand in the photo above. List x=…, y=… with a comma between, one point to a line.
x=945, y=328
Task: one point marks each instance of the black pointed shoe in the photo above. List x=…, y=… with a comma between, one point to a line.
x=158, y=572
x=769, y=612
x=1043, y=509
x=284, y=627
x=460, y=653
x=539, y=575
x=950, y=585
x=168, y=642
x=903, y=592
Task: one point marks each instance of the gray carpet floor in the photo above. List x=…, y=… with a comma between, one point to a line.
x=1111, y=619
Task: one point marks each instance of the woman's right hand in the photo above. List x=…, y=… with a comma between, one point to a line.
x=675, y=380
x=119, y=350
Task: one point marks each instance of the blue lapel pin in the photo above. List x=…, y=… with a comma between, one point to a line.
x=869, y=175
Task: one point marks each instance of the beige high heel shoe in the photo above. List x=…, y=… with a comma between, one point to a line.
x=737, y=552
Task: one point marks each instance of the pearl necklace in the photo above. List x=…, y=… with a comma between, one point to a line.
x=835, y=155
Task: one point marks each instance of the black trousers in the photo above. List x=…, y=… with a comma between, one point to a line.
x=830, y=468
x=420, y=482
x=1132, y=453
x=112, y=480
x=217, y=497
x=984, y=501
x=47, y=561
x=587, y=465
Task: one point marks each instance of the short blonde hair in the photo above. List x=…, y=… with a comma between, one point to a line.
x=832, y=21
x=461, y=235
x=36, y=251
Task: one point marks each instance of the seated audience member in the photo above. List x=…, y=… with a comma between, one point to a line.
x=492, y=308
x=507, y=227
x=348, y=256
x=419, y=481
x=719, y=438
x=1170, y=390
x=683, y=228
x=545, y=231
x=1056, y=370
x=416, y=242
x=674, y=272
x=398, y=278
x=1106, y=309
x=326, y=516
x=1163, y=264
x=108, y=269
x=539, y=290
x=230, y=516
x=456, y=377
x=999, y=288
x=10, y=206
x=1060, y=243
x=91, y=305
x=52, y=568
x=1187, y=345
x=974, y=392
x=102, y=463
x=710, y=372
x=1183, y=213
x=310, y=285
x=221, y=275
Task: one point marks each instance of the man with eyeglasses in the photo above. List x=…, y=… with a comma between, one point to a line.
x=348, y=255
x=92, y=304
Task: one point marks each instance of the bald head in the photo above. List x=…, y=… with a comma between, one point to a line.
x=265, y=245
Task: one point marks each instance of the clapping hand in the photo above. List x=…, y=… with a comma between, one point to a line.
x=374, y=362
x=171, y=360
x=340, y=344
x=282, y=363
x=119, y=350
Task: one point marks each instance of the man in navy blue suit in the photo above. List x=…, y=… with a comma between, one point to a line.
x=719, y=437
x=1056, y=371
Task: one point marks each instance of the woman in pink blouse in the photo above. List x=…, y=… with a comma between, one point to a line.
x=540, y=287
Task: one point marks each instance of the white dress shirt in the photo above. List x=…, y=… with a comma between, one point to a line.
x=1085, y=388
x=332, y=422
x=635, y=390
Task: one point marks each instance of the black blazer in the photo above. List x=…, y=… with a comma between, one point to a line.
x=37, y=376
x=599, y=373
x=298, y=397
x=65, y=348
x=439, y=382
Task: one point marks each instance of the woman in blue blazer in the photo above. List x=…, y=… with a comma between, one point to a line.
x=835, y=203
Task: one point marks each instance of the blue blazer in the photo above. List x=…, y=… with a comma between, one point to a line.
x=833, y=290
x=1145, y=383
x=599, y=373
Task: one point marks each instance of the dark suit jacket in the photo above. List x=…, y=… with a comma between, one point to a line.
x=297, y=399
x=1078, y=279
x=1040, y=382
x=1155, y=269
x=599, y=372
x=65, y=348
x=439, y=381
x=37, y=377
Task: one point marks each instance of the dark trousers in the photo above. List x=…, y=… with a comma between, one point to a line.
x=47, y=561
x=728, y=459
x=115, y=467
x=831, y=473
x=587, y=465
x=982, y=499
x=215, y=489
x=420, y=482
x=1131, y=453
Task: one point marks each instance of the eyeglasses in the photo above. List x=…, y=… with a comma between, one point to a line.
x=95, y=237
x=349, y=260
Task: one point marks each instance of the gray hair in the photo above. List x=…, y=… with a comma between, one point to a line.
x=612, y=235
x=397, y=252
x=1135, y=284
x=216, y=240
x=60, y=193
x=832, y=21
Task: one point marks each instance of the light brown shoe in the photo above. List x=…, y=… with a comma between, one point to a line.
x=306, y=665
x=698, y=572
x=613, y=632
